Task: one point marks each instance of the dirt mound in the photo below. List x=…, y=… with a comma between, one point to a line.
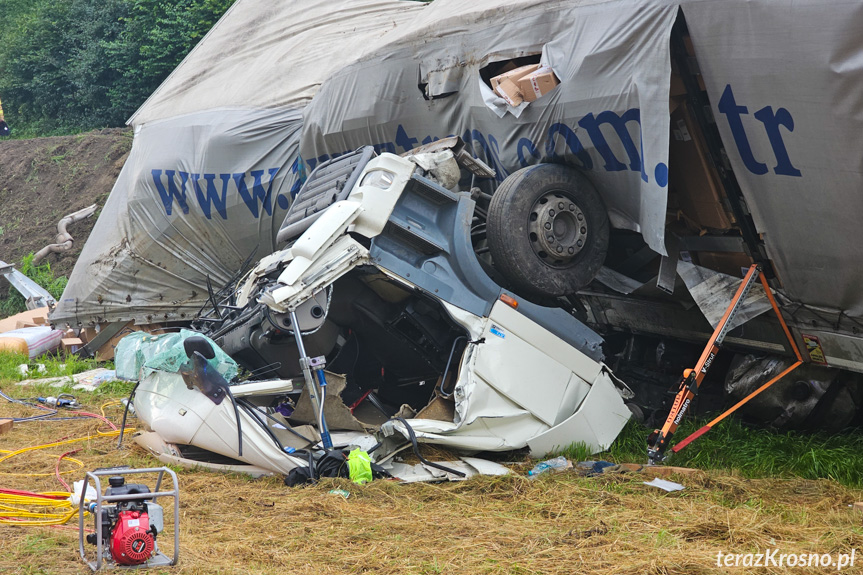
x=43, y=179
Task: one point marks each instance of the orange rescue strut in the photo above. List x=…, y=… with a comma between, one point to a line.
x=692, y=378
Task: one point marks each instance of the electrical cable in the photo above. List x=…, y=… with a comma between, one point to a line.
x=126, y=413
x=274, y=420
x=254, y=413
x=10, y=454
x=416, y=447
x=239, y=425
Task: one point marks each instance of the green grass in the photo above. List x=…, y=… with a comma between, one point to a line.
x=754, y=452
x=57, y=366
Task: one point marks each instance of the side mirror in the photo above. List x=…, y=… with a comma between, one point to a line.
x=199, y=344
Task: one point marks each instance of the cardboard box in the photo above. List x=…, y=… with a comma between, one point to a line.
x=71, y=344
x=513, y=75
x=29, y=316
x=692, y=176
x=21, y=324
x=508, y=90
x=6, y=425
x=537, y=84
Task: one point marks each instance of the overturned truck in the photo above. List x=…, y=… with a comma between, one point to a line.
x=380, y=288
x=684, y=140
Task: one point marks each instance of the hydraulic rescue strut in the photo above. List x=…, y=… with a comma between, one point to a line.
x=692, y=378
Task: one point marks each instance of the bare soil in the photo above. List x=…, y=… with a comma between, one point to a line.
x=43, y=179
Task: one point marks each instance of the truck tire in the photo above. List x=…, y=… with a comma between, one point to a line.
x=547, y=230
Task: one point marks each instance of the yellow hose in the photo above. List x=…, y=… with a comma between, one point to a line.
x=61, y=510
x=112, y=433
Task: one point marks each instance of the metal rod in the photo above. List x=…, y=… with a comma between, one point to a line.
x=304, y=365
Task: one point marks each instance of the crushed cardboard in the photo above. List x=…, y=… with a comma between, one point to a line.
x=537, y=84
x=524, y=84
x=513, y=75
x=30, y=317
x=508, y=90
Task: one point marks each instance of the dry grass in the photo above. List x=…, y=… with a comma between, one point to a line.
x=555, y=524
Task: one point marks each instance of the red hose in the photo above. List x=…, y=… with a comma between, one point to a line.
x=97, y=416
x=32, y=494
x=57, y=468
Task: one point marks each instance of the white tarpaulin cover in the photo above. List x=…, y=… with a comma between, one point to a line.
x=214, y=161
x=785, y=81
x=609, y=115
x=783, y=77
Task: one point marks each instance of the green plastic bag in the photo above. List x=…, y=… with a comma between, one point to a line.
x=139, y=354
x=360, y=466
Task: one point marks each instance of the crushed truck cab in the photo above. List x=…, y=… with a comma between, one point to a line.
x=384, y=285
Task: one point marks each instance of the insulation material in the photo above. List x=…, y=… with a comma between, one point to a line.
x=31, y=341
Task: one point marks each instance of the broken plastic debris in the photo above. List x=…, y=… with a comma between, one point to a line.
x=665, y=485
x=558, y=463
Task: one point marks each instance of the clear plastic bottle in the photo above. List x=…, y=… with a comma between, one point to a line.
x=558, y=462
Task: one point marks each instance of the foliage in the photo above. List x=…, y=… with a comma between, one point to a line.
x=73, y=65
x=42, y=275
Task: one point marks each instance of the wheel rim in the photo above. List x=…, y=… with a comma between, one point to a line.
x=557, y=228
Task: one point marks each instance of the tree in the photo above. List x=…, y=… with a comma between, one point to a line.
x=73, y=65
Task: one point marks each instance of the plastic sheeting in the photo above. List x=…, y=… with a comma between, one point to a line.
x=214, y=162
x=609, y=116
x=785, y=81
x=783, y=76
x=196, y=197
x=273, y=54
x=139, y=354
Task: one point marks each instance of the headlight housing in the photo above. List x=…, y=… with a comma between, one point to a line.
x=382, y=179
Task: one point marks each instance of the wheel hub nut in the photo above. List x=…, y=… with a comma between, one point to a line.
x=558, y=230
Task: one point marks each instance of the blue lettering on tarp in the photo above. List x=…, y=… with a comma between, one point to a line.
x=572, y=142
x=258, y=200
x=592, y=125
x=168, y=196
x=313, y=162
x=486, y=148
x=490, y=151
x=771, y=121
x=299, y=169
x=732, y=112
x=402, y=139
x=258, y=193
x=385, y=147
x=207, y=202
x=523, y=144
